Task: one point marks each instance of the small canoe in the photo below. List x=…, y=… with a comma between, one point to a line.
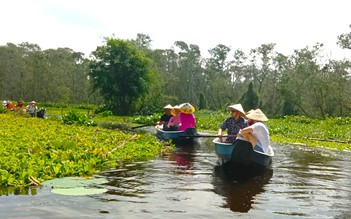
x=241, y=152
x=176, y=136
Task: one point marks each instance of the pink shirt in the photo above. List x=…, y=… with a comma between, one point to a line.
x=187, y=121
x=174, y=121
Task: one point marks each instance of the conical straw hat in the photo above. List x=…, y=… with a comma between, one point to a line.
x=175, y=110
x=257, y=115
x=237, y=107
x=186, y=108
x=169, y=106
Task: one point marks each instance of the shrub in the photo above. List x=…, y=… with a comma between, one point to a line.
x=78, y=119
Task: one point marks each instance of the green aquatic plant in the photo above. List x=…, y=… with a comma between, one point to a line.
x=73, y=117
x=75, y=186
x=47, y=149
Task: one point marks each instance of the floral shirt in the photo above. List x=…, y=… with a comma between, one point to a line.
x=233, y=126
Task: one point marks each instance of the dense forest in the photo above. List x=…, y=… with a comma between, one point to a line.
x=304, y=83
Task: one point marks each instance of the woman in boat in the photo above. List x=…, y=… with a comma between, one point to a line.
x=174, y=122
x=186, y=116
x=234, y=123
x=162, y=124
x=257, y=134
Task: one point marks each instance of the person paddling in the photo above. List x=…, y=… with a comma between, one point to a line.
x=234, y=123
x=165, y=117
x=257, y=134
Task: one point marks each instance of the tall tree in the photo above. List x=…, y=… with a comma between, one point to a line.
x=121, y=74
x=218, y=90
x=189, y=70
x=250, y=98
x=344, y=40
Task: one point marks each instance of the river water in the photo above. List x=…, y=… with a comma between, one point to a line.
x=303, y=182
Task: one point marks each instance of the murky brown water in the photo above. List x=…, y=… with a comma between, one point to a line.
x=304, y=182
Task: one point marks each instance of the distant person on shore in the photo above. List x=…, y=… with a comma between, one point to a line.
x=9, y=105
x=164, y=119
x=234, y=123
x=32, y=108
x=257, y=134
x=19, y=103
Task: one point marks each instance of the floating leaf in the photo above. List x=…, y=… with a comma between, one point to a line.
x=73, y=182
x=78, y=191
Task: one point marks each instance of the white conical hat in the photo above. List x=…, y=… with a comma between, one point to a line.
x=169, y=106
x=257, y=115
x=237, y=107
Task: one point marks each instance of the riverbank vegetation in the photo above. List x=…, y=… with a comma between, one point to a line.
x=78, y=144
x=129, y=77
x=33, y=148
x=126, y=82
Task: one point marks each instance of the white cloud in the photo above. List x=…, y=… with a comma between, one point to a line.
x=82, y=24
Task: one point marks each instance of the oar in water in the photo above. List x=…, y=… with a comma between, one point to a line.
x=140, y=126
x=208, y=136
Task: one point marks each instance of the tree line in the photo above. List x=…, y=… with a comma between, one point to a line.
x=130, y=77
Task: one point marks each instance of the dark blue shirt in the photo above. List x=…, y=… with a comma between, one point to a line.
x=233, y=126
x=165, y=118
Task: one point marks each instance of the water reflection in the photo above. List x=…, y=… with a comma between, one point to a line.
x=183, y=156
x=307, y=183
x=32, y=190
x=240, y=185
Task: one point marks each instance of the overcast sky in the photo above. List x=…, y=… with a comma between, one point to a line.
x=238, y=24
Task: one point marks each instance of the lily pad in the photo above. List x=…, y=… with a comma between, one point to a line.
x=73, y=182
x=78, y=191
x=75, y=185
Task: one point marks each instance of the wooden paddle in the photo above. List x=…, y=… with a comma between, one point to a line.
x=140, y=126
x=208, y=136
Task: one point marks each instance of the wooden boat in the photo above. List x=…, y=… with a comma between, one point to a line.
x=187, y=135
x=241, y=152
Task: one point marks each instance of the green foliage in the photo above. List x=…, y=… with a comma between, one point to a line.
x=202, y=102
x=77, y=118
x=106, y=113
x=55, y=75
x=302, y=83
x=289, y=108
x=210, y=120
x=152, y=119
x=55, y=105
x=121, y=74
x=47, y=149
x=4, y=110
x=332, y=132
x=250, y=99
x=65, y=105
x=101, y=109
x=344, y=40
